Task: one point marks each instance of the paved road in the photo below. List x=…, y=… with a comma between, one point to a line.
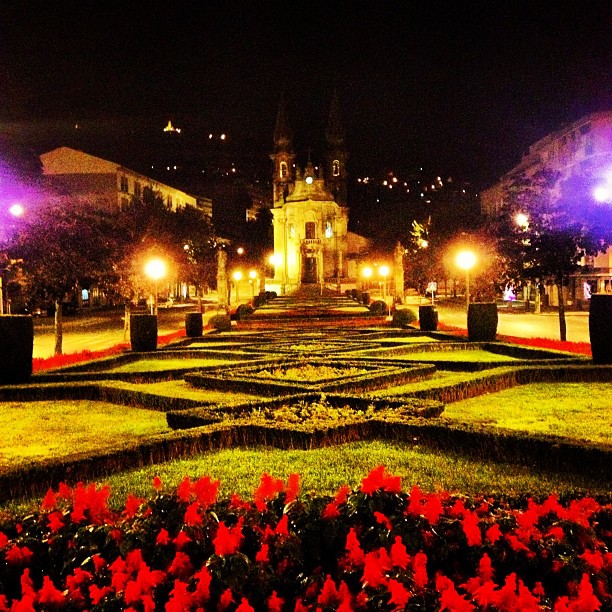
x=523, y=325
x=97, y=331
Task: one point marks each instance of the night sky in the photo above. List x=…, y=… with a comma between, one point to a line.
x=461, y=87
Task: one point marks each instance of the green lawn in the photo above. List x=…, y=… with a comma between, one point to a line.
x=161, y=365
x=324, y=470
x=476, y=355
x=40, y=430
x=577, y=411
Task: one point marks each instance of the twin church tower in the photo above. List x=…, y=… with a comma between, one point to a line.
x=309, y=209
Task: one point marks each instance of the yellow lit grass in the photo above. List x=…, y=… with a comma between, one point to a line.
x=577, y=411
x=41, y=430
x=161, y=365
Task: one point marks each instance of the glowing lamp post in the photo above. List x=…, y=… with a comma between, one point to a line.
x=466, y=260
x=384, y=272
x=237, y=276
x=155, y=269
x=252, y=281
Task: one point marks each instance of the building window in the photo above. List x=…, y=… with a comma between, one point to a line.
x=291, y=230
x=310, y=230
x=284, y=171
x=329, y=232
x=123, y=184
x=336, y=168
x=137, y=189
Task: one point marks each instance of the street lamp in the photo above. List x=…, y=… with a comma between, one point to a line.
x=252, y=279
x=384, y=272
x=16, y=210
x=237, y=276
x=155, y=269
x=466, y=261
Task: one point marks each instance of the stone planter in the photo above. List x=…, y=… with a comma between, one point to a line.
x=193, y=324
x=600, y=327
x=143, y=332
x=482, y=322
x=428, y=318
x=16, y=347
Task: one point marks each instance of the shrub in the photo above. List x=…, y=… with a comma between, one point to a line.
x=403, y=317
x=243, y=311
x=378, y=307
x=220, y=322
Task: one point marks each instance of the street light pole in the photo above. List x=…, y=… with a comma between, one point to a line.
x=155, y=269
x=466, y=260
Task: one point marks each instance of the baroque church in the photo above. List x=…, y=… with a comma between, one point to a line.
x=312, y=244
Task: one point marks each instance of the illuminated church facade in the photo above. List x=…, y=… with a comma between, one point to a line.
x=312, y=244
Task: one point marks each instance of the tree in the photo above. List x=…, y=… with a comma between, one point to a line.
x=547, y=226
x=60, y=249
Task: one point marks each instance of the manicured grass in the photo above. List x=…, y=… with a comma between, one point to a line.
x=324, y=470
x=576, y=411
x=179, y=388
x=470, y=355
x=160, y=365
x=408, y=340
x=309, y=372
x=40, y=430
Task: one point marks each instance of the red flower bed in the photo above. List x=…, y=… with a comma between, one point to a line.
x=58, y=361
x=376, y=548
x=582, y=348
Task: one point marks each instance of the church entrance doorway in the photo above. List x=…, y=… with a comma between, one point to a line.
x=309, y=273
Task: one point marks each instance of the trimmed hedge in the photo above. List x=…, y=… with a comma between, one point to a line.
x=403, y=317
x=221, y=322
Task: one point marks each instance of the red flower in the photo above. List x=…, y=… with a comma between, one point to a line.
x=27, y=585
x=163, y=537
x=556, y=532
x=226, y=599
x=181, y=540
x=375, y=567
x=485, y=568
x=433, y=508
x=262, y=554
x=132, y=505
x=419, y=569
x=471, y=528
x=180, y=598
x=192, y=516
x=399, y=593
x=18, y=555
x=227, y=541
x=355, y=553
x=203, y=579
x=50, y=500
x=594, y=559
x=449, y=598
x=331, y=511
x=493, y=533
x=3, y=540
x=399, y=556
x=245, y=606
x=206, y=491
x=55, y=521
x=183, y=491
x=293, y=488
x=157, y=484
x=97, y=594
x=98, y=561
x=329, y=593
x=267, y=489
x=275, y=603
x=383, y=520
x=181, y=566
x=282, y=527
x=377, y=479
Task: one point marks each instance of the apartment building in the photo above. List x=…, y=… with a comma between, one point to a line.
x=586, y=142
x=87, y=179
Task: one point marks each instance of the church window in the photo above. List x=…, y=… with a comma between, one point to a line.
x=329, y=232
x=124, y=184
x=291, y=230
x=310, y=230
x=335, y=168
x=284, y=171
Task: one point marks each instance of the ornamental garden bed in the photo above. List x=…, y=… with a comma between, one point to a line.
x=374, y=547
x=295, y=376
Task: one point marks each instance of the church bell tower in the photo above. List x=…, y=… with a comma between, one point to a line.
x=283, y=158
x=335, y=154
